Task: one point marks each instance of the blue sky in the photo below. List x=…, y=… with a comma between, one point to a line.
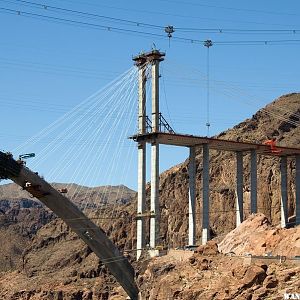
x=49, y=66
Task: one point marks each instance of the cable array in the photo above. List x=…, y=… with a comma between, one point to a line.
x=195, y=77
x=79, y=18
x=106, y=118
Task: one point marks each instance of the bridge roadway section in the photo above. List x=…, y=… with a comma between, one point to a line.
x=186, y=140
x=89, y=232
x=192, y=142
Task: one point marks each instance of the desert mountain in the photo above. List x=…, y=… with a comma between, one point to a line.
x=22, y=216
x=57, y=265
x=280, y=119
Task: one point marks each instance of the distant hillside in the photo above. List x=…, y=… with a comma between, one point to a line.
x=22, y=216
x=105, y=194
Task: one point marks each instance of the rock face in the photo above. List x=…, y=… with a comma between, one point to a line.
x=47, y=261
x=216, y=277
x=263, y=125
x=257, y=236
x=21, y=216
x=57, y=265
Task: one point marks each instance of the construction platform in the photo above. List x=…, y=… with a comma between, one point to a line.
x=185, y=140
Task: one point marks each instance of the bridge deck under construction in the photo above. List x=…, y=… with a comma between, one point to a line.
x=185, y=140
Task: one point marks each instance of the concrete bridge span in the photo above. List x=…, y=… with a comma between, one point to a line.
x=89, y=232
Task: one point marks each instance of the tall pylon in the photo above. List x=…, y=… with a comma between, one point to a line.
x=152, y=58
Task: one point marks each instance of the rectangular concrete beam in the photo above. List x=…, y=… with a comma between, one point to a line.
x=239, y=188
x=192, y=197
x=205, y=188
x=284, y=196
x=253, y=183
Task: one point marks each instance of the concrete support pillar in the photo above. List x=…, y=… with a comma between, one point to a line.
x=192, y=197
x=239, y=188
x=155, y=96
x=205, y=188
x=141, y=201
x=284, y=196
x=155, y=218
x=154, y=205
x=142, y=100
x=253, y=178
x=297, y=180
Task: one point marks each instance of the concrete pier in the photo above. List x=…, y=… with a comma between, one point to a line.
x=155, y=95
x=141, y=201
x=205, y=187
x=192, y=197
x=253, y=181
x=297, y=179
x=284, y=196
x=154, y=203
x=239, y=188
x=143, y=60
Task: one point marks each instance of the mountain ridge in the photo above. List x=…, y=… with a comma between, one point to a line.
x=55, y=252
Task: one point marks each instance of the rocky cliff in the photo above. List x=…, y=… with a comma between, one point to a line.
x=47, y=261
x=22, y=216
x=280, y=119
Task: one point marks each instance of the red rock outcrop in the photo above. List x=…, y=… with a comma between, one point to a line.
x=257, y=236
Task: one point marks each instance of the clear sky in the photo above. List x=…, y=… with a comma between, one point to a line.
x=51, y=59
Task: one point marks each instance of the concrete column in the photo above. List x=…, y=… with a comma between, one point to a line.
x=284, y=196
x=205, y=189
x=297, y=179
x=154, y=205
x=141, y=201
x=192, y=197
x=142, y=100
x=155, y=95
x=239, y=188
x=253, y=178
